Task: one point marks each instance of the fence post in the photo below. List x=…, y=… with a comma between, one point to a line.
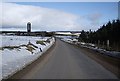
x=108, y=43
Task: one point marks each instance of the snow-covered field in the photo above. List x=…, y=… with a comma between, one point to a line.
x=19, y=51
x=69, y=39
x=91, y=46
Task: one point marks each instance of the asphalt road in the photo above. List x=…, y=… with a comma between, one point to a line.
x=66, y=62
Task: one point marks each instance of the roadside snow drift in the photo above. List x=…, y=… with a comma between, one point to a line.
x=19, y=51
x=91, y=46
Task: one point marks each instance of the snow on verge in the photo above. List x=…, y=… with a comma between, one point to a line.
x=15, y=60
x=93, y=47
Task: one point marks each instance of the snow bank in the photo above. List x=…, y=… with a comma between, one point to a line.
x=103, y=51
x=92, y=47
x=16, y=59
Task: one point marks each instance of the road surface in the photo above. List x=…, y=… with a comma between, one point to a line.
x=66, y=62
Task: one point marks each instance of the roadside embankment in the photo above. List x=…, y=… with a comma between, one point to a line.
x=12, y=66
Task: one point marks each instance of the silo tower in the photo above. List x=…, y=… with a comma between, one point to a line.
x=28, y=27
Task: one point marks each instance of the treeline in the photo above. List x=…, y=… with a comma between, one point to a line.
x=107, y=36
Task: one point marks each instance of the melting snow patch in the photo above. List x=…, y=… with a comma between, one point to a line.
x=92, y=47
x=14, y=59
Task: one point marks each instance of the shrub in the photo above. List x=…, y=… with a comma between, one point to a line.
x=30, y=48
x=40, y=42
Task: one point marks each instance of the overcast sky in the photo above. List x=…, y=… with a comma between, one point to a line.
x=52, y=16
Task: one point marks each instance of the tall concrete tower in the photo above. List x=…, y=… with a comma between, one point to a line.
x=28, y=27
